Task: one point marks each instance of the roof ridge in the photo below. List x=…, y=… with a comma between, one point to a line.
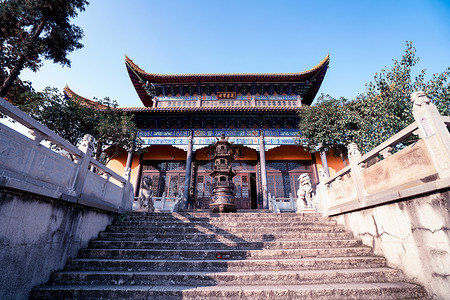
x=72, y=95
x=133, y=65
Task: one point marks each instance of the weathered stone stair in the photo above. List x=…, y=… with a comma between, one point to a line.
x=273, y=256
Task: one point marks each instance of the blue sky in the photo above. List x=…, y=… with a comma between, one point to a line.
x=174, y=37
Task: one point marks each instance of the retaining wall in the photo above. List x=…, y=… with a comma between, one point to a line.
x=38, y=235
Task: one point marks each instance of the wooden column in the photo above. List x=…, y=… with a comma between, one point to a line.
x=262, y=156
x=323, y=159
x=138, y=175
x=187, y=178
x=127, y=171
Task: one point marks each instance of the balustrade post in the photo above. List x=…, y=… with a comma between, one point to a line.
x=322, y=198
x=433, y=131
x=355, y=170
x=127, y=197
x=87, y=146
x=163, y=200
x=37, y=137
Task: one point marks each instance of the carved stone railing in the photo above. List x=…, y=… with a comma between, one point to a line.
x=277, y=205
x=26, y=165
x=166, y=204
x=419, y=168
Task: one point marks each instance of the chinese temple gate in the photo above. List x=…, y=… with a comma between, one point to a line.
x=182, y=115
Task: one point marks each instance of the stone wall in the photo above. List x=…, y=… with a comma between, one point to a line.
x=38, y=235
x=413, y=235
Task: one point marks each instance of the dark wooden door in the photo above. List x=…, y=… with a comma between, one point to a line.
x=242, y=189
x=203, y=191
x=167, y=176
x=282, y=177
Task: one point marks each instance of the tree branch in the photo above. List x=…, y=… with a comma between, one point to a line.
x=14, y=73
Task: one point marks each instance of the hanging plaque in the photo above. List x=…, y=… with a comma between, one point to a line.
x=226, y=95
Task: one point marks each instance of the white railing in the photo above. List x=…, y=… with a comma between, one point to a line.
x=277, y=205
x=28, y=166
x=379, y=176
x=166, y=204
x=158, y=204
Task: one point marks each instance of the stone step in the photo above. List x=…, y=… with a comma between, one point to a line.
x=226, y=278
x=272, y=256
x=217, y=265
x=222, y=223
x=230, y=224
x=226, y=245
x=225, y=218
x=224, y=215
x=211, y=254
x=234, y=216
x=334, y=291
x=225, y=230
x=252, y=237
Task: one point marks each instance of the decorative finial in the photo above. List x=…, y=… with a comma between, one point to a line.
x=87, y=143
x=353, y=149
x=419, y=98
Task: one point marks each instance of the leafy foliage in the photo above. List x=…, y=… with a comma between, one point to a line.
x=33, y=30
x=72, y=118
x=330, y=124
x=374, y=116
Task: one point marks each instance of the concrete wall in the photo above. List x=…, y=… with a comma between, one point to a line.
x=413, y=235
x=38, y=235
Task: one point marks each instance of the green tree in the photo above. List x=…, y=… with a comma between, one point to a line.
x=330, y=124
x=72, y=118
x=33, y=30
x=114, y=131
x=374, y=116
x=386, y=106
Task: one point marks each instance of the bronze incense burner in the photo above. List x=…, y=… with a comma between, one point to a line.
x=222, y=199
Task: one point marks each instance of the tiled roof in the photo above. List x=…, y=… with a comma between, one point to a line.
x=314, y=76
x=71, y=94
x=228, y=77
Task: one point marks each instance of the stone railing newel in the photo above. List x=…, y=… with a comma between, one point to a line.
x=433, y=131
x=354, y=156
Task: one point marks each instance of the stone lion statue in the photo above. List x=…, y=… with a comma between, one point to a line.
x=146, y=194
x=304, y=192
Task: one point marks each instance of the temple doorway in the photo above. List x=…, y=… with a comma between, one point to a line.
x=167, y=176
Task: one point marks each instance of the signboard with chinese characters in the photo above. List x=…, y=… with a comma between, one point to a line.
x=226, y=95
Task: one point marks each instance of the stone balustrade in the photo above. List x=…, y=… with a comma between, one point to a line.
x=278, y=205
x=381, y=177
x=26, y=165
x=397, y=202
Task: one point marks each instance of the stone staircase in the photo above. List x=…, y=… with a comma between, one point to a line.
x=227, y=256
